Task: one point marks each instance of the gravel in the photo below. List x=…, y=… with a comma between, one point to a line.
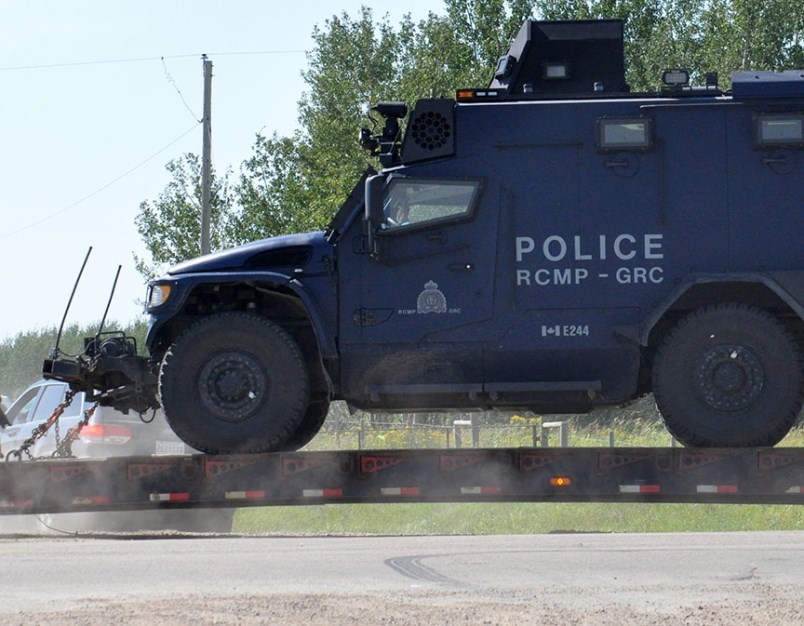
x=780, y=607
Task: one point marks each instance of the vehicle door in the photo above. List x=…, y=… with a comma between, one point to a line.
x=18, y=413
x=33, y=409
x=583, y=208
x=765, y=169
x=412, y=303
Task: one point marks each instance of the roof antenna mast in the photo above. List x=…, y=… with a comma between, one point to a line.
x=109, y=303
x=55, y=352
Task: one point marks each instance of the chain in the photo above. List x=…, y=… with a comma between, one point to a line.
x=42, y=429
x=65, y=448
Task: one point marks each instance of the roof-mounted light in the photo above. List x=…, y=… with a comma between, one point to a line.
x=476, y=94
x=505, y=65
x=396, y=110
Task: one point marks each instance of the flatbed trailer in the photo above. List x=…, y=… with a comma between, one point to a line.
x=733, y=476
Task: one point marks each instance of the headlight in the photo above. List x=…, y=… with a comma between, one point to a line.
x=157, y=295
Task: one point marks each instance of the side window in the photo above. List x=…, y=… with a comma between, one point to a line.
x=779, y=130
x=22, y=407
x=52, y=396
x=412, y=202
x=625, y=133
x=76, y=406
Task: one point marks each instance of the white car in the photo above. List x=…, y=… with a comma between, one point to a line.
x=108, y=433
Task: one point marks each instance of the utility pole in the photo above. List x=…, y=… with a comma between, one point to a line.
x=206, y=156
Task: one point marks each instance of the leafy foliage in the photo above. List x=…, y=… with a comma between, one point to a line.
x=170, y=226
x=293, y=184
x=701, y=35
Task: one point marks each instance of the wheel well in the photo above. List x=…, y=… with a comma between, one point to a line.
x=269, y=300
x=705, y=294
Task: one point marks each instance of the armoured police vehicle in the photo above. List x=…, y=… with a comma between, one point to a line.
x=551, y=242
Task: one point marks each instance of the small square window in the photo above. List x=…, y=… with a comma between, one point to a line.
x=779, y=130
x=624, y=133
x=555, y=71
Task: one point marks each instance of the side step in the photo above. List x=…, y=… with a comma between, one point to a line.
x=493, y=390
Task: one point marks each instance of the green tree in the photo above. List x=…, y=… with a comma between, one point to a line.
x=271, y=191
x=485, y=28
x=701, y=35
x=754, y=34
x=298, y=182
x=292, y=184
x=170, y=226
x=355, y=62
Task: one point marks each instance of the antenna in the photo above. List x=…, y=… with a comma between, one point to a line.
x=109, y=303
x=69, y=302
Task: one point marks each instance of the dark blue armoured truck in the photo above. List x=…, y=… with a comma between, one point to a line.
x=552, y=242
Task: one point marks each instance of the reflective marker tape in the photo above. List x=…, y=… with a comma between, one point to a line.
x=717, y=488
x=797, y=489
x=322, y=493
x=170, y=497
x=640, y=489
x=92, y=500
x=244, y=495
x=400, y=491
x=15, y=504
x=480, y=491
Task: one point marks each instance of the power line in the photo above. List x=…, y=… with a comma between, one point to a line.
x=100, y=189
x=14, y=68
x=178, y=91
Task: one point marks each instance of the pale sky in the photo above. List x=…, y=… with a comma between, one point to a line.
x=72, y=128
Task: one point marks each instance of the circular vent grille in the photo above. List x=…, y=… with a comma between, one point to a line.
x=430, y=131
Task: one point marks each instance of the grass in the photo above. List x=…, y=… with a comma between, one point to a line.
x=495, y=519
x=514, y=518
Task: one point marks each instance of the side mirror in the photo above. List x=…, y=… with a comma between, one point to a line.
x=374, y=211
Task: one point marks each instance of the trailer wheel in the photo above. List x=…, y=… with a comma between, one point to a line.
x=729, y=375
x=311, y=423
x=234, y=383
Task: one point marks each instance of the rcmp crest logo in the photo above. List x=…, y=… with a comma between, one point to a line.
x=431, y=300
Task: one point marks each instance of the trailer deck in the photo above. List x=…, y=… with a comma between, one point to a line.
x=735, y=476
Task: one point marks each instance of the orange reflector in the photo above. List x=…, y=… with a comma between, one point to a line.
x=560, y=481
x=465, y=94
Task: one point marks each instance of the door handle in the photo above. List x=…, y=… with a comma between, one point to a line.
x=438, y=237
x=461, y=267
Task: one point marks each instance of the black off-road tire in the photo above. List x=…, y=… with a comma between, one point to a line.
x=729, y=375
x=234, y=383
x=311, y=423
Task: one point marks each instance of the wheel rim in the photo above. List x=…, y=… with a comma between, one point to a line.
x=730, y=377
x=232, y=386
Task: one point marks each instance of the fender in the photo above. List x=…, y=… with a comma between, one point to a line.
x=187, y=282
x=788, y=285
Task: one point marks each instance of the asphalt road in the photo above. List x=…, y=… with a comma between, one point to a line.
x=734, y=578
